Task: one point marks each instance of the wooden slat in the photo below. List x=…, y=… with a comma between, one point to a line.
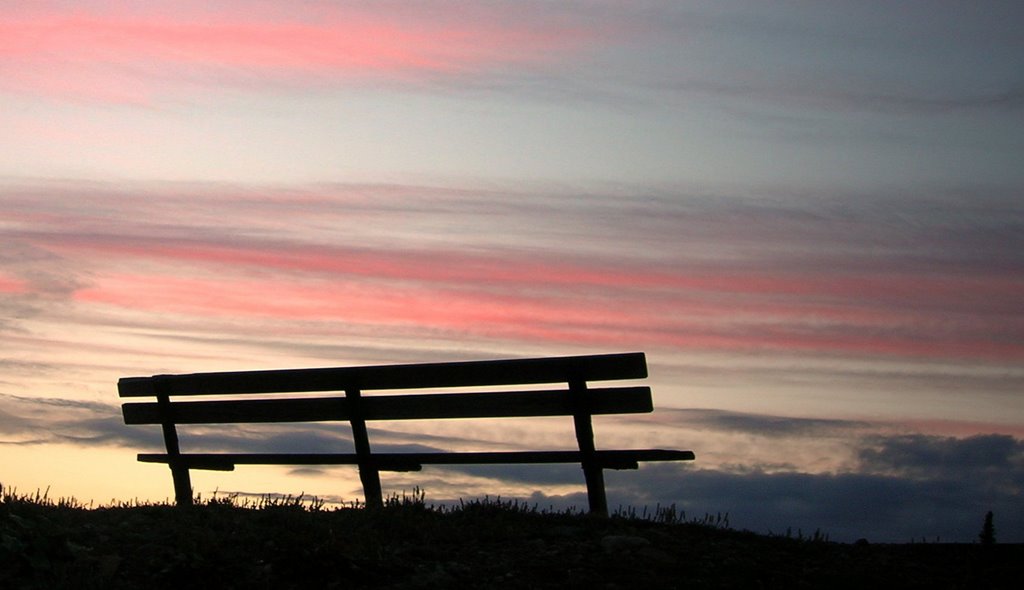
x=430, y=375
x=610, y=400
x=612, y=459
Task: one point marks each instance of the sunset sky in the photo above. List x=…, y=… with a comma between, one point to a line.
x=809, y=215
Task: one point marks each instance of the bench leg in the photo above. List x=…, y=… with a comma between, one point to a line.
x=179, y=473
x=594, y=475
x=371, y=486
x=182, y=485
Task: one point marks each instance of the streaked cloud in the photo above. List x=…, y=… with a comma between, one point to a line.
x=758, y=424
x=146, y=54
x=725, y=274
x=140, y=55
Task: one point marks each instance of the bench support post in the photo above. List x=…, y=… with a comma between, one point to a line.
x=592, y=471
x=369, y=475
x=179, y=472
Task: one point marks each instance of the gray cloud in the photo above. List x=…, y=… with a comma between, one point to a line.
x=912, y=487
x=522, y=474
x=828, y=95
x=755, y=424
x=996, y=458
x=11, y=423
x=846, y=506
x=106, y=430
x=33, y=421
x=907, y=487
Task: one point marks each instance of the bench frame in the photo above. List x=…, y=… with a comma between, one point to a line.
x=577, y=400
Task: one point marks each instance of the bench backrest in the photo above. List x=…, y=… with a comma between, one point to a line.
x=575, y=372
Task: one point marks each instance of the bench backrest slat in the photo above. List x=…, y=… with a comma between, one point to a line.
x=611, y=400
x=419, y=376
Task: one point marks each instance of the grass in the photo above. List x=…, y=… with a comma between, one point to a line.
x=296, y=542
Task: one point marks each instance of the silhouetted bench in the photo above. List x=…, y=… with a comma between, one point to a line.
x=573, y=398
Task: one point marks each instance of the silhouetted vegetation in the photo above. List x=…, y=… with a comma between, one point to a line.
x=297, y=542
x=987, y=536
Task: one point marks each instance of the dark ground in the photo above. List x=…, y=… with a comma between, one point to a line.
x=280, y=544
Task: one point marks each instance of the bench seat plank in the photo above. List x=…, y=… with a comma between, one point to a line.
x=608, y=459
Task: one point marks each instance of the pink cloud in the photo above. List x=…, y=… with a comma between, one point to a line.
x=819, y=291
x=875, y=300
x=627, y=319
x=13, y=285
x=193, y=267
x=111, y=56
x=362, y=302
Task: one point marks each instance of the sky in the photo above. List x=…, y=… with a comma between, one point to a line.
x=809, y=216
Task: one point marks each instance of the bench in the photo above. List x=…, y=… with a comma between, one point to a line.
x=573, y=397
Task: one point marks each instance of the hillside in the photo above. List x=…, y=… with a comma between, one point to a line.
x=282, y=544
